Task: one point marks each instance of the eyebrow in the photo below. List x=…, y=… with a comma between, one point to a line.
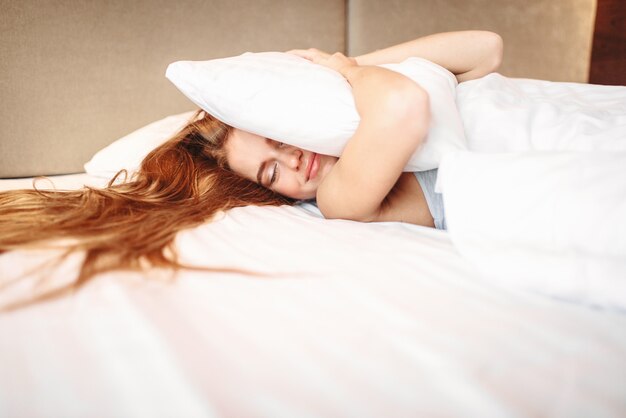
x=260, y=172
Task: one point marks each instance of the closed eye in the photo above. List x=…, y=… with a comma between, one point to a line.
x=274, y=174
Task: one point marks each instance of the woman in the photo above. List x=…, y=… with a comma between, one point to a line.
x=366, y=183
x=209, y=166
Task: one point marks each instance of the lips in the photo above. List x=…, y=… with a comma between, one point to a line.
x=310, y=165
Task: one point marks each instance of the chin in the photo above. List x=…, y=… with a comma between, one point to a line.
x=308, y=196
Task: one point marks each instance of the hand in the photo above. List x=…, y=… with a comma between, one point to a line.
x=336, y=61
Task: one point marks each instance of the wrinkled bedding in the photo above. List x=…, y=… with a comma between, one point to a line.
x=502, y=114
x=515, y=311
x=352, y=320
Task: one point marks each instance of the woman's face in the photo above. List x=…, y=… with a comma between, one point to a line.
x=287, y=170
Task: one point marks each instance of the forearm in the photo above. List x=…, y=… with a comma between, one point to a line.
x=467, y=54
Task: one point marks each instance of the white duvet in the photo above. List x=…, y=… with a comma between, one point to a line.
x=503, y=114
x=540, y=200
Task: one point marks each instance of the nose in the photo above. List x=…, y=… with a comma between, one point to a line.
x=291, y=157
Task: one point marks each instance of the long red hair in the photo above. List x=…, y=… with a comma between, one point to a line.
x=131, y=224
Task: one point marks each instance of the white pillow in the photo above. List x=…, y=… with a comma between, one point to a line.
x=287, y=98
x=128, y=151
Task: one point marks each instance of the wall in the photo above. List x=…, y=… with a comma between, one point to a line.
x=545, y=39
x=77, y=74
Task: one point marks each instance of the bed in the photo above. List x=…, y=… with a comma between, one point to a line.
x=363, y=320
x=492, y=318
x=356, y=319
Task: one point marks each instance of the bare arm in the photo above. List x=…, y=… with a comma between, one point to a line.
x=467, y=54
x=394, y=113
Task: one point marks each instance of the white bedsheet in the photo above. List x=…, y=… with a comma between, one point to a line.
x=354, y=320
x=361, y=320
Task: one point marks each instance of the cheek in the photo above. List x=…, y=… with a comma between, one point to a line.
x=292, y=188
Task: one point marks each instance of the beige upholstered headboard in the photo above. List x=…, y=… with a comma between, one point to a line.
x=545, y=39
x=75, y=75
x=78, y=74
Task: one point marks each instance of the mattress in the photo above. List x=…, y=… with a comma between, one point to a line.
x=348, y=320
